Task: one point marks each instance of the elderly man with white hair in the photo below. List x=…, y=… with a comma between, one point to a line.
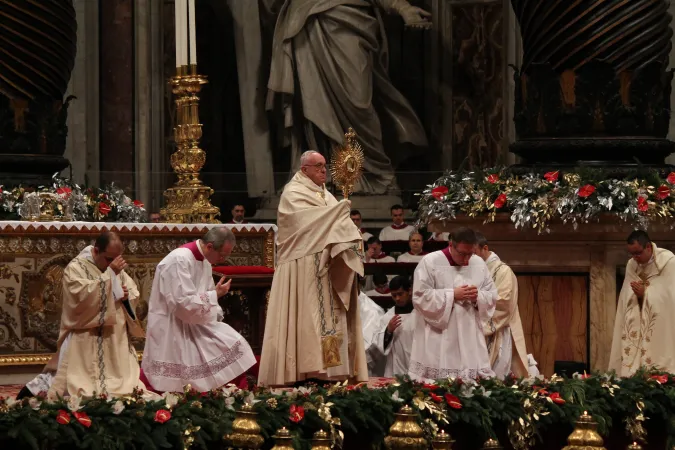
x=186, y=341
x=313, y=328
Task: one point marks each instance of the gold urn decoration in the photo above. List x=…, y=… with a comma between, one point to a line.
x=585, y=435
x=283, y=440
x=405, y=433
x=245, y=430
x=442, y=441
x=321, y=441
x=492, y=444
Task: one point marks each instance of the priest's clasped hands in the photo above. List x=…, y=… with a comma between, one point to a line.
x=466, y=293
x=638, y=288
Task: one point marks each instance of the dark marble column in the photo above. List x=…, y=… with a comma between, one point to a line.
x=117, y=96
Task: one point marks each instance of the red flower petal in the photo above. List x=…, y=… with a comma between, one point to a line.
x=453, y=401
x=435, y=397
x=439, y=192
x=138, y=203
x=671, y=178
x=551, y=176
x=500, y=201
x=663, y=192
x=104, y=209
x=296, y=413
x=557, y=399
x=63, y=417
x=492, y=178
x=162, y=415
x=83, y=418
x=642, y=204
x=586, y=191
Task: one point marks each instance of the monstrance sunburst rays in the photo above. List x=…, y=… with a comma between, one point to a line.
x=346, y=163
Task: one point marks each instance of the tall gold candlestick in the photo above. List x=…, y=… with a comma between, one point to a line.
x=188, y=201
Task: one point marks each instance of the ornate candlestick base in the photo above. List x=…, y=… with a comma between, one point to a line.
x=188, y=201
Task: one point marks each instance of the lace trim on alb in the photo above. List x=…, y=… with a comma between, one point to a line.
x=183, y=372
x=433, y=373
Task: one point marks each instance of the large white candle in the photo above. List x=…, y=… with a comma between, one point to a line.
x=177, y=30
x=193, y=32
x=184, y=33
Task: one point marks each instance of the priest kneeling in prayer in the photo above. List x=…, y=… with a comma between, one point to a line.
x=98, y=318
x=643, y=328
x=186, y=341
x=393, y=339
x=453, y=294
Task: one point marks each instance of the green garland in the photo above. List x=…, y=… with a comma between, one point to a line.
x=527, y=408
x=534, y=200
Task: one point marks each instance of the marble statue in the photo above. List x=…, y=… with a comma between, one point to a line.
x=329, y=72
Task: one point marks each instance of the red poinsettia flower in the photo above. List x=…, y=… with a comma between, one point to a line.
x=297, y=413
x=663, y=192
x=500, y=201
x=543, y=392
x=439, y=192
x=551, y=176
x=492, y=178
x=586, y=191
x=104, y=209
x=64, y=191
x=83, y=418
x=642, y=204
x=162, y=415
x=63, y=417
x=557, y=399
x=671, y=178
x=138, y=203
x=661, y=379
x=435, y=397
x=453, y=401
x=431, y=387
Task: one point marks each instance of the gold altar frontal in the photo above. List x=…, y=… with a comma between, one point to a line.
x=33, y=256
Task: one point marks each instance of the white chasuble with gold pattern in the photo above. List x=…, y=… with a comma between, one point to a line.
x=644, y=333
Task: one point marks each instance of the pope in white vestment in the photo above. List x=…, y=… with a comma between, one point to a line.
x=643, y=330
x=453, y=294
x=186, y=341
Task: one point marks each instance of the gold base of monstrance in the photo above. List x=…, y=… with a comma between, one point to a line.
x=188, y=201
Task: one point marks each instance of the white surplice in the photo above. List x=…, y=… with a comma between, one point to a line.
x=410, y=258
x=397, y=351
x=400, y=233
x=186, y=341
x=371, y=313
x=448, y=338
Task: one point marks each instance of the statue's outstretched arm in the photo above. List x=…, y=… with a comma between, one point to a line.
x=413, y=16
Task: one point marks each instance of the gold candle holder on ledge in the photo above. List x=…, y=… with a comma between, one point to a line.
x=189, y=200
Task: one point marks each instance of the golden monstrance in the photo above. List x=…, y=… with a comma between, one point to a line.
x=346, y=164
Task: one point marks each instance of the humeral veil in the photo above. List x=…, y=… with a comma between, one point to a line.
x=313, y=328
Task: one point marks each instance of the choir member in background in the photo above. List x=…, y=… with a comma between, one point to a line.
x=374, y=253
x=238, y=214
x=453, y=293
x=381, y=283
x=355, y=215
x=643, y=329
x=416, y=253
x=187, y=342
x=398, y=230
x=98, y=319
x=394, y=336
x=504, y=330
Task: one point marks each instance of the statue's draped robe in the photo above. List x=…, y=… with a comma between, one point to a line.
x=645, y=336
x=95, y=353
x=313, y=327
x=334, y=53
x=504, y=330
